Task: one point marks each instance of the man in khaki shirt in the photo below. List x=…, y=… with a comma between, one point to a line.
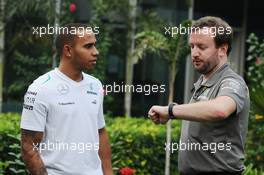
x=215, y=122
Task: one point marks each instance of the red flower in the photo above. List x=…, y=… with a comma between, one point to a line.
x=258, y=61
x=127, y=171
x=72, y=7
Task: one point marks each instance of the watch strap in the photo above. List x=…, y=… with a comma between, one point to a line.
x=170, y=111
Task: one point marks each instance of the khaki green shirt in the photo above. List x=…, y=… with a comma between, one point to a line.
x=216, y=146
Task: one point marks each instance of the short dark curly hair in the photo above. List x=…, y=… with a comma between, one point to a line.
x=67, y=37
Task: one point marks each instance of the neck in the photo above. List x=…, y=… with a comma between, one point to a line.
x=70, y=71
x=209, y=74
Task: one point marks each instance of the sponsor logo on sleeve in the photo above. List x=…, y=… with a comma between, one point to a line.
x=30, y=100
x=28, y=107
x=232, y=85
x=31, y=93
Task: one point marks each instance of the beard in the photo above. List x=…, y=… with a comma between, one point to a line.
x=205, y=67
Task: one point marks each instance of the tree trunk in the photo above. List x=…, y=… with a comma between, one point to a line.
x=2, y=40
x=56, y=25
x=129, y=58
x=172, y=74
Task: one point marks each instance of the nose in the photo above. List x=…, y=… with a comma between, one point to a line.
x=95, y=52
x=195, y=52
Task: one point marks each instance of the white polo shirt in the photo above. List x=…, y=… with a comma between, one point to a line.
x=70, y=114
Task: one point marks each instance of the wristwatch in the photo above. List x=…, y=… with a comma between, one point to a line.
x=170, y=112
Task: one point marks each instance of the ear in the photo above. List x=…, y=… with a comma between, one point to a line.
x=67, y=50
x=222, y=50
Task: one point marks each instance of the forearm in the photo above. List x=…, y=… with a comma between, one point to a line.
x=201, y=111
x=33, y=161
x=30, y=141
x=105, y=152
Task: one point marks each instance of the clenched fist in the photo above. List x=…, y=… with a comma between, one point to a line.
x=159, y=114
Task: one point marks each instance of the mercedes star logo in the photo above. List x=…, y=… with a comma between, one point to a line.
x=63, y=89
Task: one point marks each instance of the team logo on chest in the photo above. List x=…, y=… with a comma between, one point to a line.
x=63, y=89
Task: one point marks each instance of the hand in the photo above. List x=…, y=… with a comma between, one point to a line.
x=159, y=114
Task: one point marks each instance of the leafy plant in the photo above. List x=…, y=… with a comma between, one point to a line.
x=139, y=144
x=255, y=72
x=255, y=77
x=10, y=160
x=135, y=143
x=252, y=171
x=28, y=55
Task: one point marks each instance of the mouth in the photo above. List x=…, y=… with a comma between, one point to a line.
x=93, y=61
x=197, y=61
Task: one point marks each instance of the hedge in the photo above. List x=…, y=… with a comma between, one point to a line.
x=140, y=144
x=136, y=144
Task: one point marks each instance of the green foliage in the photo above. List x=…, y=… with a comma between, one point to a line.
x=111, y=10
x=171, y=48
x=255, y=141
x=22, y=8
x=252, y=171
x=10, y=160
x=255, y=72
x=104, y=40
x=150, y=21
x=150, y=41
x=255, y=61
x=136, y=143
x=28, y=55
x=139, y=144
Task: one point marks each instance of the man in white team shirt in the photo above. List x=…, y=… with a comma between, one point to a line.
x=62, y=121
